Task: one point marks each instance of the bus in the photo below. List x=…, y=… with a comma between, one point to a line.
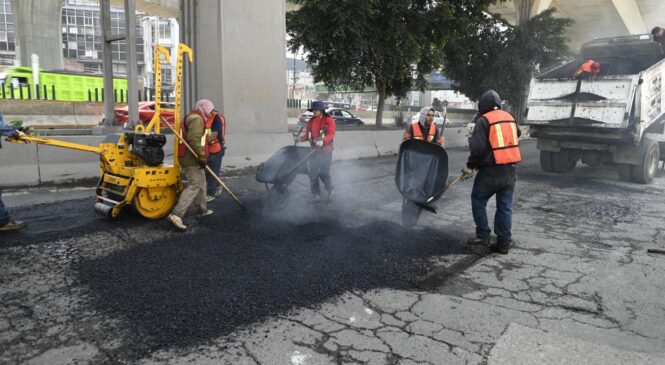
x=67, y=85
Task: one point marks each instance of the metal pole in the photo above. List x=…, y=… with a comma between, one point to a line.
x=132, y=78
x=107, y=53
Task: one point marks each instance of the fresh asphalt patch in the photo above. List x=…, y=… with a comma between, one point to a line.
x=237, y=271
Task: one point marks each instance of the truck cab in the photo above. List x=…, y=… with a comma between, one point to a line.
x=615, y=117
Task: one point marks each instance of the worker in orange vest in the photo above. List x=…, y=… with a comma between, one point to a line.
x=494, y=154
x=215, y=148
x=425, y=129
x=320, y=132
x=588, y=68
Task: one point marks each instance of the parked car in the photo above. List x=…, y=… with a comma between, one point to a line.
x=304, y=117
x=146, y=112
x=341, y=117
x=439, y=118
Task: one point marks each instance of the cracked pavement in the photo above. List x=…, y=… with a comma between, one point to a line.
x=336, y=283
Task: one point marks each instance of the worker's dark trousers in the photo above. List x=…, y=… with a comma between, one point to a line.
x=500, y=181
x=319, y=168
x=4, y=214
x=215, y=164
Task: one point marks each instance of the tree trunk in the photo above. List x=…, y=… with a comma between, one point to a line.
x=381, y=87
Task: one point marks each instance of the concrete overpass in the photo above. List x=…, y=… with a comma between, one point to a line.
x=593, y=18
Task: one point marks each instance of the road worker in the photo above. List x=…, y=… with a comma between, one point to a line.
x=494, y=155
x=193, y=166
x=425, y=128
x=320, y=132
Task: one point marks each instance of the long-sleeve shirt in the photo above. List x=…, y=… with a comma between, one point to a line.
x=313, y=131
x=195, y=130
x=6, y=129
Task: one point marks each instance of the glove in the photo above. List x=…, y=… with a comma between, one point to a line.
x=467, y=172
x=319, y=143
x=203, y=161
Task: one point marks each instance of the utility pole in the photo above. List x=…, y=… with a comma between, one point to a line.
x=295, y=78
x=132, y=79
x=107, y=55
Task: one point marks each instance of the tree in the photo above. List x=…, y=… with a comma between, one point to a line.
x=388, y=44
x=501, y=57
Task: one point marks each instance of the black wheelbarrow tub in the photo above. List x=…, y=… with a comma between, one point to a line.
x=422, y=171
x=284, y=165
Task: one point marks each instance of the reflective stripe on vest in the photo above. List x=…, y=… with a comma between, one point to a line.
x=503, y=137
x=418, y=134
x=211, y=147
x=182, y=149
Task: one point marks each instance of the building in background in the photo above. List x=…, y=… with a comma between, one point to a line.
x=82, y=40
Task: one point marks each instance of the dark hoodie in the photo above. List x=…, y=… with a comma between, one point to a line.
x=481, y=151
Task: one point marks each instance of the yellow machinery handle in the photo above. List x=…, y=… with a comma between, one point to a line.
x=54, y=142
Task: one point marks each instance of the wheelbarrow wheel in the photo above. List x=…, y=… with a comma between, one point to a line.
x=276, y=196
x=410, y=213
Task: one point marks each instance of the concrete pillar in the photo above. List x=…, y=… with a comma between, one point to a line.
x=38, y=30
x=239, y=61
x=630, y=14
x=527, y=9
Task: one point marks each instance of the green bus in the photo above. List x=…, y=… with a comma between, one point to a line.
x=68, y=86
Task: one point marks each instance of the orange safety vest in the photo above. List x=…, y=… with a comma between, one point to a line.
x=418, y=134
x=503, y=137
x=591, y=67
x=182, y=150
x=213, y=146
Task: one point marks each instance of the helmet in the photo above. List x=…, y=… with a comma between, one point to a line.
x=317, y=105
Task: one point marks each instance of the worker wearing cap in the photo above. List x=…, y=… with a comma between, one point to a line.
x=658, y=34
x=7, y=224
x=320, y=132
x=425, y=129
x=494, y=154
x=193, y=131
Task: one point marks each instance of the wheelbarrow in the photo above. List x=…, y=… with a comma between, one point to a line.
x=280, y=170
x=421, y=177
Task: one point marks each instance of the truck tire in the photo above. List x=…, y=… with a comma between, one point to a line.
x=646, y=170
x=546, y=161
x=563, y=162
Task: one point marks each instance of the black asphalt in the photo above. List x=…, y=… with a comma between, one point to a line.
x=238, y=268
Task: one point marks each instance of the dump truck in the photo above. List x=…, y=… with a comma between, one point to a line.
x=614, y=117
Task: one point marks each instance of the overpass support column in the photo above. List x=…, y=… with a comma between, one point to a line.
x=527, y=9
x=239, y=61
x=631, y=16
x=38, y=24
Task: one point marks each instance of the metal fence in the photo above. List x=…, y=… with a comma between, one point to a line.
x=120, y=95
x=27, y=91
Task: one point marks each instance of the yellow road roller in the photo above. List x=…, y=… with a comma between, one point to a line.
x=132, y=165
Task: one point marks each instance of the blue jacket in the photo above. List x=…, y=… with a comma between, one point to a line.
x=6, y=129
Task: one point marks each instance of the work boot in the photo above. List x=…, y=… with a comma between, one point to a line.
x=477, y=241
x=501, y=248
x=315, y=198
x=210, y=198
x=205, y=214
x=12, y=226
x=331, y=194
x=177, y=221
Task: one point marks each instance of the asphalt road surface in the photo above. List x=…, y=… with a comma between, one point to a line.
x=341, y=281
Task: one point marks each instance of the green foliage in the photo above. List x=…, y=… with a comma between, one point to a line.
x=498, y=56
x=16, y=123
x=388, y=44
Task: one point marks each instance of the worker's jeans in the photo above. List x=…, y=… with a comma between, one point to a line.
x=195, y=191
x=319, y=168
x=215, y=164
x=4, y=214
x=499, y=181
